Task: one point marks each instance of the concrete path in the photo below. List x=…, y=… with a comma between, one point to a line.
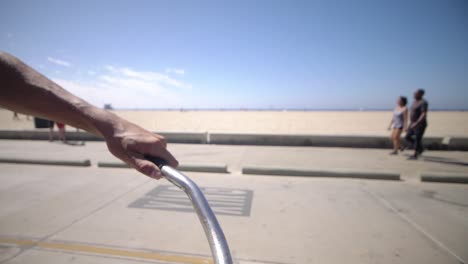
x=52, y=214
x=237, y=157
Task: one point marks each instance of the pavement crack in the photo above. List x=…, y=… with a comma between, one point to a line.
x=413, y=224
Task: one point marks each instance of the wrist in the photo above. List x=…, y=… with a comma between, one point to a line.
x=99, y=121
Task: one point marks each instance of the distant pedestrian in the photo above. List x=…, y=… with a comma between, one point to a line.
x=418, y=123
x=399, y=123
x=61, y=129
x=15, y=116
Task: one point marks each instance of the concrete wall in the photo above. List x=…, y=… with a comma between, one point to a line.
x=458, y=144
x=313, y=140
x=175, y=137
x=179, y=137
x=431, y=143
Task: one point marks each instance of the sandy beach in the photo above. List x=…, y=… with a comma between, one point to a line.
x=443, y=123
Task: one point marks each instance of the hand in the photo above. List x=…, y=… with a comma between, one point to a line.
x=130, y=143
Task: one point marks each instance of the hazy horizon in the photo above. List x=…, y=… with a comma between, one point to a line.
x=279, y=109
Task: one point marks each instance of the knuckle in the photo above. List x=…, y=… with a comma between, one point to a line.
x=160, y=143
x=162, y=140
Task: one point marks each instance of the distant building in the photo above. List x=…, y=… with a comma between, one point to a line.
x=108, y=107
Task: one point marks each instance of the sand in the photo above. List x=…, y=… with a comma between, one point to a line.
x=273, y=122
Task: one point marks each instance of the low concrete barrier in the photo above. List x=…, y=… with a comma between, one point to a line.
x=299, y=140
x=101, y=164
x=79, y=163
x=44, y=135
x=173, y=137
x=210, y=168
x=445, y=177
x=431, y=143
x=314, y=140
x=181, y=137
x=322, y=173
x=214, y=168
x=458, y=143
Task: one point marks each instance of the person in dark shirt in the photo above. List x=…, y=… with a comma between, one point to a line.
x=418, y=123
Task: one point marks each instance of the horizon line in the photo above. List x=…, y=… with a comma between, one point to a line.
x=275, y=109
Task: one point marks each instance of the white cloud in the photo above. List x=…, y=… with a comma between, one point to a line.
x=127, y=88
x=92, y=73
x=59, y=62
x=175, y=70
x=148, y=76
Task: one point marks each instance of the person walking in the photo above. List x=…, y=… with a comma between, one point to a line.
x=61, y=129
x=398, y=124
x=418, y=123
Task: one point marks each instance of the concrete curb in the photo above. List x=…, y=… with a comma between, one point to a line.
x=173, y=137
x=44, y=135
x=321, y=173
x=112, y=165
x=444, y=177
x=209, y=168
x=431, y=143
x=77, y=163
x=182, y=137
x=299, y=140
x=458, y=143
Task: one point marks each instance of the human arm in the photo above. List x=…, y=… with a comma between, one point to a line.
x=24, y=90
x=405, y=119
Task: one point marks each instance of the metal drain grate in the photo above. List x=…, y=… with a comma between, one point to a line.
x=223, y=201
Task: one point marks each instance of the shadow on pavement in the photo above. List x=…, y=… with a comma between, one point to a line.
x=433, y=195
x=444, y=160
x=74, y=143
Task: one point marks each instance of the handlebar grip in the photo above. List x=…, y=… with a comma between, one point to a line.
x=160, y=162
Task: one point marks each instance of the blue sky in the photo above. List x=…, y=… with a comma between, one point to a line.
x=245, y=54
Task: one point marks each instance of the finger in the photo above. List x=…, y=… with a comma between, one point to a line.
x=145, y=166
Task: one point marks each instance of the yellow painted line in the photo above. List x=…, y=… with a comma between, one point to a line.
x=108, y=251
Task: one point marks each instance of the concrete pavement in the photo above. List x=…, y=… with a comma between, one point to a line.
x=52, y=214
x=57, y=214
x=237, y=157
